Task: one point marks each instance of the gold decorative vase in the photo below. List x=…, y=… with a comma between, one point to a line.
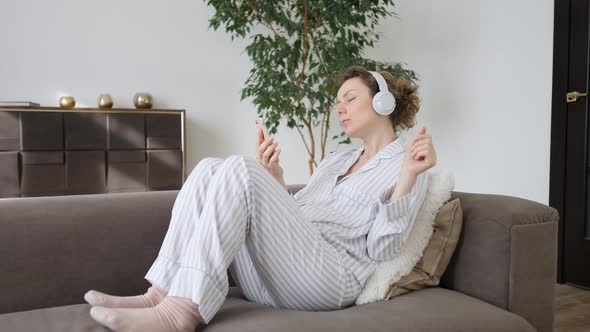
x=105, y=100
x=142, y=100
x=67, y=102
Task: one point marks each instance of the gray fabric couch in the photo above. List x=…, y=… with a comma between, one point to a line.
x=501, y=277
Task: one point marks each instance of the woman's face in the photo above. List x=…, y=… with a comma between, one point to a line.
x=355, y=109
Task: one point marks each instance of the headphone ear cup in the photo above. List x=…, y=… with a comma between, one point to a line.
x=377, y=106
x=384, y=103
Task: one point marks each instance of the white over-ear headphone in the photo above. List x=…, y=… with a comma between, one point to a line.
x=383, y=101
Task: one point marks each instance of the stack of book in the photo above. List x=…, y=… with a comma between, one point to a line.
x=18, y=104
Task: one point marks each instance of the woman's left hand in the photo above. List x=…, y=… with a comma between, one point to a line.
x=420, y=154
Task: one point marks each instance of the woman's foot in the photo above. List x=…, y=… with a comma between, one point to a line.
x=173, y=314
x=151, y=298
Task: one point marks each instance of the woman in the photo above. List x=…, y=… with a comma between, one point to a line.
x=310, y=251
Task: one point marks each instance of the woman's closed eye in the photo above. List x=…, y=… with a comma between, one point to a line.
x=351, y=99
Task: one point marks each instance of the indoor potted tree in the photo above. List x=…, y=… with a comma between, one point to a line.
x=297, y=52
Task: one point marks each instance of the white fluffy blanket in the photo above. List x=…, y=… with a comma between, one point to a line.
x=440, y=186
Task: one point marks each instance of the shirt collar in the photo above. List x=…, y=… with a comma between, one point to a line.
x=390, y=150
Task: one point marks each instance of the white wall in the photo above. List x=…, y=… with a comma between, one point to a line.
x=485, y=72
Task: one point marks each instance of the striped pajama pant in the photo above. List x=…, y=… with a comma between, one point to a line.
x=231, y=213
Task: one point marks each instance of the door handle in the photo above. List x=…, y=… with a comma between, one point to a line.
x=573, y=96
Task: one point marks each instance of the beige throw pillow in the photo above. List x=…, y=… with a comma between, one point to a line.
x=437, y=254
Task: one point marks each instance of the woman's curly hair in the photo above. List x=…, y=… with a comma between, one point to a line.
x=405, y=92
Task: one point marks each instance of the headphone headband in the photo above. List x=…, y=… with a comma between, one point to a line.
x=380, y=81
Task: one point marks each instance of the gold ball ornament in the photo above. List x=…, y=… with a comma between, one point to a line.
x=105, y=100
x=142, y=100
x=67, y=102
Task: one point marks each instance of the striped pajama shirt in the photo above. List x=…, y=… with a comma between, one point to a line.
x=310, y=251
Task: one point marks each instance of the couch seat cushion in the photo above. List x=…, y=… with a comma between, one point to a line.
x=430, y=309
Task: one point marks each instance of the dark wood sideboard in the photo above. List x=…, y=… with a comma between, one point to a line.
x=51, y=151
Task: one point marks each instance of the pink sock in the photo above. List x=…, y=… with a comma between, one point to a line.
x=173, y=314
x=151, y=298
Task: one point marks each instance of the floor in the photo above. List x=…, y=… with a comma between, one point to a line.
x=572, y=309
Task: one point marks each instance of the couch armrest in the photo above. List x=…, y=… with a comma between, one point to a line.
x=54, y=249
x=507, y=255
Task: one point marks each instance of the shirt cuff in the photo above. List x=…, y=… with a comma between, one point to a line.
x=393, y=210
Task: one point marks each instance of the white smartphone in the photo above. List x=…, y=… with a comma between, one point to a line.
x=260, y=124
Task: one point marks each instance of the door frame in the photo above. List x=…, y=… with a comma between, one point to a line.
x=559, y=120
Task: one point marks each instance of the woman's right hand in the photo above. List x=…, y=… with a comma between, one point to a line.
x=267, y=154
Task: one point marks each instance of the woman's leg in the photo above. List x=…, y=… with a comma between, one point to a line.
x=285, y=261
x=247, y=278
x=170, y=313
x=185, y=214
x=246, y=205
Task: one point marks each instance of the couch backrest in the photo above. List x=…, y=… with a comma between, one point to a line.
x=54, y=249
